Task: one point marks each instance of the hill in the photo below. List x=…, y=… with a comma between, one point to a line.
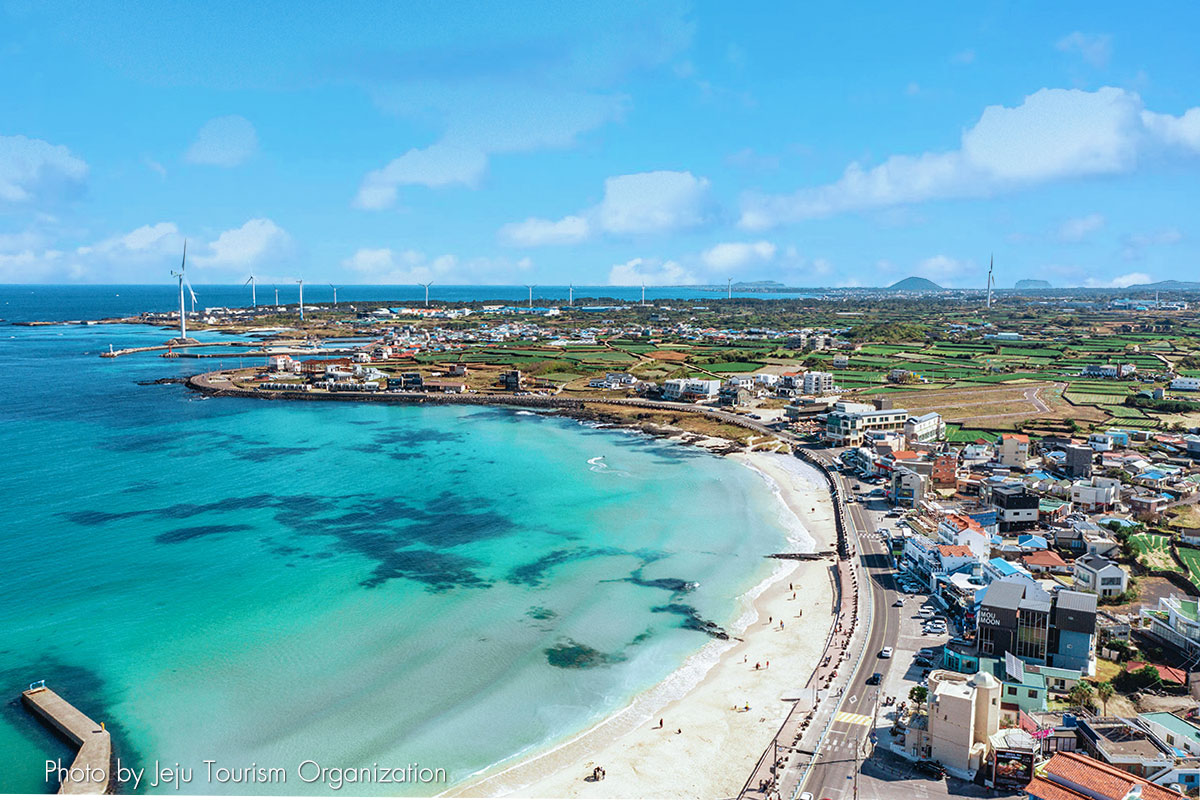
x=1031, y=283
x=915, y=284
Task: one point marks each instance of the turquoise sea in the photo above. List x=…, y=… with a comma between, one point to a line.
x=254, y=582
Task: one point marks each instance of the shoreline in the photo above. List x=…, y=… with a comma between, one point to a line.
x=642, y=760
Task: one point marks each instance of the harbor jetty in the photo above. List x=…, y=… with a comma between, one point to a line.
x=91, y=770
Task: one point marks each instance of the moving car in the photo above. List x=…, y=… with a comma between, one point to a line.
x=899, y=601
x=885, y=652
x=875, y=679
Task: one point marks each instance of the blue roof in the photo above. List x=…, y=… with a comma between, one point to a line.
x=1153, y=475
x=1003, y=567
x=1032, y=540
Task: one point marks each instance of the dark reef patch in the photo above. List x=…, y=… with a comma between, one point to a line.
x=691, y=619
x=438, y=571
x=570, y=654
x=540, y=613
x=533, y=573
x=261, y=454
x=197, y=532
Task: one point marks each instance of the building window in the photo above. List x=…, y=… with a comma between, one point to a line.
x=1012, y=690
x=1033, y=692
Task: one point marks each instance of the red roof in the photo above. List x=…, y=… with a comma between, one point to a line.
x=1102, y=780
x=1169, y=674
x=904, y=455
x=1043, y=789
x=1020, y=437
x=954, y=550
x=1044, y=558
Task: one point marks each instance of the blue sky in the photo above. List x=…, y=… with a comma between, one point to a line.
x=548, y=143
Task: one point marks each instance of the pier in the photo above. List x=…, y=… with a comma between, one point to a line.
x=93, y=760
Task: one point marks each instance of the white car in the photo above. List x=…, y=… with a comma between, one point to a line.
x=885, y=652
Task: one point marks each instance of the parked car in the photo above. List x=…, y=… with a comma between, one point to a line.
x=932, y=769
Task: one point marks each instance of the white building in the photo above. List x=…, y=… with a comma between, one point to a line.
x=818, y=382
x=1186, y=384
x=963, y=714
x=848, y=423
x=691, y=391
x=925, y=428
x=1099, y=575
x=1100, y=442
x=1096, y=494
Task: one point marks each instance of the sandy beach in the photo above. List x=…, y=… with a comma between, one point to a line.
x=704, y=748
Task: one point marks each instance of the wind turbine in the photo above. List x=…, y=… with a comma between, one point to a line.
x=253, y=293
x=643, y=293
x=729, y=290
x=427, y=285
x=301, y=282
x=331, y=286
x=530, y=286
x=182, y=276
x=990, y=281
x=571, y=295
x=276, y=288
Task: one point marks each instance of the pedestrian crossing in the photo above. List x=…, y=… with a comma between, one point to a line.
x=852, y=719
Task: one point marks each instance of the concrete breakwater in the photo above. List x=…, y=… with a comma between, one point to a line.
x=91, y=771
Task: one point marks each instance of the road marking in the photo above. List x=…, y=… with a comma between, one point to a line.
x=852, y=719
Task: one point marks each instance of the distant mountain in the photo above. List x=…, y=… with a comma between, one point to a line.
x=1030, y=283
x=1167, y=286
x=915, y=284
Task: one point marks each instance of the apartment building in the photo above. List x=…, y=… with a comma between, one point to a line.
x=848, y=423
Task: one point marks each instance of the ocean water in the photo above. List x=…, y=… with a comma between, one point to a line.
x=254, y=582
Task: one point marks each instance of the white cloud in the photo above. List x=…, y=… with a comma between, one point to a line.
x=519, y=119
x=223, y=142
x=148, y=240
x=1119, y=282
x=534, y=232
x=385, y=265
x=254, y=241
x=1094, y=48
x=1078, y=228
x=651, y=272
x=652, y=202
x=32, y=170
x=1053, y=134
x=634, y=204
x=964, y=57
x=946, y=270
x=435, y=166
x=1135, y=245
x=728, y=256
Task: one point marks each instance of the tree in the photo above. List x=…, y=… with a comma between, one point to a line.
x=1105, y=692
x=1081, y=694
x=918, y=694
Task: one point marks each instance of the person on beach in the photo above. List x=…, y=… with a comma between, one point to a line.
x=756, y=665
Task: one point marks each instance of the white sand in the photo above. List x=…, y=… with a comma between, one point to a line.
x=718, y=746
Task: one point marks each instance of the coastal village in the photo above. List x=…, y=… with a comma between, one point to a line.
x=1019, y=491
x=1034, y=489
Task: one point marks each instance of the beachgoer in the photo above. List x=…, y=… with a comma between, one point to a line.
x=756, y=665
x=680, y=730
x=660, y=724
x=768, y=665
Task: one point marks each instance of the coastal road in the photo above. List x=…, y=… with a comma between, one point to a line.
x=832, y=774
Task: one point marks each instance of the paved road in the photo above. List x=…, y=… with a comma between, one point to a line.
x=833, y=772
